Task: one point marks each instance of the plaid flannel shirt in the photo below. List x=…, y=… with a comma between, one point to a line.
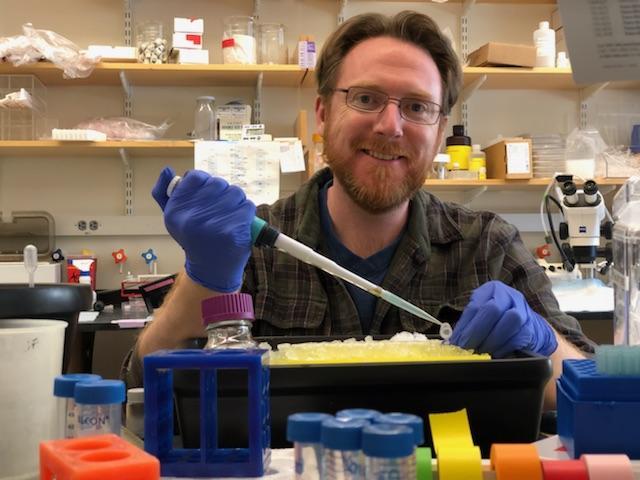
x=446, y=252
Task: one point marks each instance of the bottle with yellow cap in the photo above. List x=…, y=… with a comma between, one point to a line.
x=478, y=162
x=459, y=149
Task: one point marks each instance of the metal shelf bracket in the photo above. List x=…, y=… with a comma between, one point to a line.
x=128, y=181
x=257, y=103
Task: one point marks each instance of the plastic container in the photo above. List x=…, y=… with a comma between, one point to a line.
x=228, y=320
x=626, y=267
x=99, y=407
x=204, y=122
x=271, y=46
x=412, y=421
x=151, y=42
x=389, y=452
x=544, y=39
x=239, y=40
x=478, y=162
x=562, y=61
x=440, y=164
x=358, y=414
x=304, y=430
x=342, y=457
x=63, y=390
x=459, y=149
x=31, y=357
x=135, y=411
x=24, y=123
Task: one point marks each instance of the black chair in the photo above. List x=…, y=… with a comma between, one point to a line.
x=55, y=301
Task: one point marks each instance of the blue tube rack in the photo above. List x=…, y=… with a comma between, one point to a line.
x=597, y=413
x=208, y=460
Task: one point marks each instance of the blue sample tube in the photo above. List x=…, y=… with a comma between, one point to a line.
x=342, y=457
x=389, y=452
x=412, y=421
x=63, y=388
x=358, y=413
x=99, y=407
x=304, y=430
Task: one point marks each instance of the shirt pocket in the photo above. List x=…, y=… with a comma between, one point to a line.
x=283, y=310
x=448, y=311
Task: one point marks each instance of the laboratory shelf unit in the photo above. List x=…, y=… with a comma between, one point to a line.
x=140, y=74
x=500, y=184
x=54, y=148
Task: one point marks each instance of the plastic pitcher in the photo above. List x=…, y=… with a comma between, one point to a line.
x=30, y=358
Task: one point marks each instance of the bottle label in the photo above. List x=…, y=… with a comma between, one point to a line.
x=95, y=421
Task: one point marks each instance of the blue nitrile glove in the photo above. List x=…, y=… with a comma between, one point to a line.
x=211, y=220
x=498, y=320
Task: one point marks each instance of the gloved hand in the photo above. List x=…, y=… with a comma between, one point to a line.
x=211, y=220
x=498, y=320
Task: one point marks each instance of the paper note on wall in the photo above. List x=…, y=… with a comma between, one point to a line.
x=253, y=166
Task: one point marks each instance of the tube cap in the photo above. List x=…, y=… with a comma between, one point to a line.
x=358, y=413
x=384, y=440
x=64, y=385
x=100, y=392
x=412, y=421
x=305, y=427
x=231, y=306
x=338, y=434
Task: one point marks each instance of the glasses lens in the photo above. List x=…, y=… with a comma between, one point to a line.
x=419, y=111
x=366, y=100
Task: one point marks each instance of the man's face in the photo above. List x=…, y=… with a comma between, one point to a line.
x=381, y=159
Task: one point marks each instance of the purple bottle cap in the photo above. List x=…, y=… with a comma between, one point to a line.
x=231, y=306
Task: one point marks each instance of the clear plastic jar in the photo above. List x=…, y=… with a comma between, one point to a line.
x=228, y=320
x=205, y=119
x=151, y=43
x=304, y=430
x=271, y=46
x=239, y=40
x=389, y=452
x=99, y=407
x=135, y=411
x=63, y=390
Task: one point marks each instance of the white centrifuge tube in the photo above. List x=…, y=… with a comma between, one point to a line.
x=30, y=257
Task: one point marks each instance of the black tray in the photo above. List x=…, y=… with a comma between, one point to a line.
x=503, y=397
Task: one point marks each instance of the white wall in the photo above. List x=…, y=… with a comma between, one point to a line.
x=89, y=187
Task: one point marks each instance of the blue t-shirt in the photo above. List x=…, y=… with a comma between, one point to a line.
x=373, y=268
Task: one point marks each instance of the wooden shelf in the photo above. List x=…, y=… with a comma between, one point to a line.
x=495, y=184
x=54, y=148
x=166, y=74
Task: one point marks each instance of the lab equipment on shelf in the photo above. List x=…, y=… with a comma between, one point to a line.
x=151, y=42
x=205, y=119
x=239, y=40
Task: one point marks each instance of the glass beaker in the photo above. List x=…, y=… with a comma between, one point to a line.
x=271, y=46
x=152, y=46
x=205, y=119
x=238, y=40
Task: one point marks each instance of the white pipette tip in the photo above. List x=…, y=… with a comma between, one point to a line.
x=445, y=331
x=172, y=184
x=30, y=258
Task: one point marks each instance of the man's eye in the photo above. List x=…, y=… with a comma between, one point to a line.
x=364, y=99
x=418, y=107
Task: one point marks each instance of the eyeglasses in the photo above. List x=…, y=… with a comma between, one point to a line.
x=372, y=101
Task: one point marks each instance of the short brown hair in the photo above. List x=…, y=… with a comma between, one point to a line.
x=409, y=26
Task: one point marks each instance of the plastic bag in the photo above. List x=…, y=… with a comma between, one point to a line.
x=36, y=45
x=123, y=128
x=583, y=153
x=20, y=100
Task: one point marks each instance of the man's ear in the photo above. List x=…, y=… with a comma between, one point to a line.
x=321, y=112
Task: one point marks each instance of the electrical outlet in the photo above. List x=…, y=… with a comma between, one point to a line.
x=94, y=225
x=82, y=225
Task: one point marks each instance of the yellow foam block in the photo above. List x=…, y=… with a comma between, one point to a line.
x=459, y=463
x=450, y=428
x=369, y=351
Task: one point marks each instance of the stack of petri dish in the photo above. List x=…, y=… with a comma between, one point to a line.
x=548, y=155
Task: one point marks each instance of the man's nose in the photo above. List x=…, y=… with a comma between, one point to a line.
x=389, y=121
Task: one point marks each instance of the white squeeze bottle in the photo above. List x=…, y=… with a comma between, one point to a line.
x=545, y=41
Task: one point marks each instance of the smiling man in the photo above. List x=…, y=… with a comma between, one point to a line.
x=386, y=86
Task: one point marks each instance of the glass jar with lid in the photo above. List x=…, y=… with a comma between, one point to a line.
x=151, y=43
x=239, y=40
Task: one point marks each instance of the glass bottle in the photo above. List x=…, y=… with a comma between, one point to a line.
x=205, y=119
x=228, y=320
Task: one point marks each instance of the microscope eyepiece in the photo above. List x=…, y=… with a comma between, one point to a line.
x=590, y=187
x=569, y=188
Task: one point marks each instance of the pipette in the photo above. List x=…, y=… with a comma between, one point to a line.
x=264, y=235
x=30, y=257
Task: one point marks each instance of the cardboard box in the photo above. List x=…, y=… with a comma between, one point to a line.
x=187, y=40
x=503, y=54
x=509, y=158
x=556, y=20
x=189, y=25
x=192, y=56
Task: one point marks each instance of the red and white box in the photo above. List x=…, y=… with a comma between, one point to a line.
x=187, y=40
x=193, y=56
x=188, y=25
